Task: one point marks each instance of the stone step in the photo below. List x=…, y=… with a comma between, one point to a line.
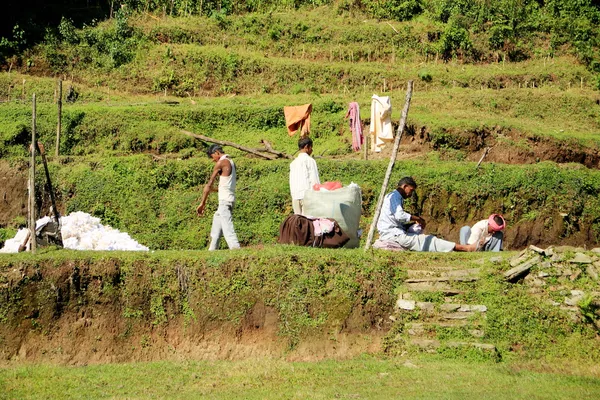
x=449, y=307
x=421, y=328
x=457, y=315
x=432, y=344
x=428, y=307
x=418, y=273
x=434, y=279
x=432, y=287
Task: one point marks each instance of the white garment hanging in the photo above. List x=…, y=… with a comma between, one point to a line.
x=381, y=122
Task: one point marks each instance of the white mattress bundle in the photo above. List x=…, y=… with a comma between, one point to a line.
x=81, y=231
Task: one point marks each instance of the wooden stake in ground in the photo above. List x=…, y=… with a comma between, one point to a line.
x=388, y=173
x=31, y=200
x=485, y=153
x=51, y=189
x=58, y=124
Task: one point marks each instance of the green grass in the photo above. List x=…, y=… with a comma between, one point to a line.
x=363, y=378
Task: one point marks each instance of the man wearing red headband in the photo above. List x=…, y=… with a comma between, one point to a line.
x=486, y=234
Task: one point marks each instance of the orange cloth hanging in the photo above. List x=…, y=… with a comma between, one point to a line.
x=298, y=117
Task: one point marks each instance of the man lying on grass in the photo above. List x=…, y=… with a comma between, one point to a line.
x=394, y=224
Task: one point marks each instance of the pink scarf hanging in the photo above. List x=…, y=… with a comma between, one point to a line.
x=353, y=115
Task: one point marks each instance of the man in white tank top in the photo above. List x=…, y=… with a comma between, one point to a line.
x=222, y=224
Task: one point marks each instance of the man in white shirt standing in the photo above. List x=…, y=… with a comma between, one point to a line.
x=303, y=174
x=394, y=224
x=486, y=234
x=222, y=224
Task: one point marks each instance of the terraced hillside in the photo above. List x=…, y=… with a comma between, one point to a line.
x=136, y=81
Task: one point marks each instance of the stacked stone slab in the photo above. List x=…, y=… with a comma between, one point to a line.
x=431, y=318
x=559, y=269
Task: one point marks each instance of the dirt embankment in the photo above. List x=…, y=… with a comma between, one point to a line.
x=506, y=146
x=111, y=309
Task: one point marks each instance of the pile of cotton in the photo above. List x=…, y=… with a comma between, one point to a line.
x=81, y=231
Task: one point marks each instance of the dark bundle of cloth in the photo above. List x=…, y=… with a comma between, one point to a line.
x=300, y=230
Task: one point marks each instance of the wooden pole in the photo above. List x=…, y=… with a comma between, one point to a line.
x=31, y=201
x=388, y=173
x=485, y=153
x=50, y=188
x=58, y=124
x=226, y=143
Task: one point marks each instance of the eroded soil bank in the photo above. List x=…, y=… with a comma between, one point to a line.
x=290, y=302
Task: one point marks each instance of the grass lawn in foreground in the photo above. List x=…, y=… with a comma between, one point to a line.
x=362, y=378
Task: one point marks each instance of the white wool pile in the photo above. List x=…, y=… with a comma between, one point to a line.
x=81, y=231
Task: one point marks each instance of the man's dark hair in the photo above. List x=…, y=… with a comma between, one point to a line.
x=213, y=149
x=305, y=141
x=407, y=180
x=498, y=219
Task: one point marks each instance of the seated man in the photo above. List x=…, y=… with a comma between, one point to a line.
x=393, y=224
x=486, y=234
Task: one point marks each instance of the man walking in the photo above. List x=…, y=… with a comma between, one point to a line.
x=222, y=224
x=303, y=174
x=393, y=224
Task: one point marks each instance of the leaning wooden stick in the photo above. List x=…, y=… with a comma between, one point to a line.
x=269, y=148
x=226, y=143
x=51, y=189
x=485, y=153
x=388, y=173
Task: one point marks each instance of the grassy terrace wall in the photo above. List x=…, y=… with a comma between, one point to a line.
x=154, y=200
x=74, y=307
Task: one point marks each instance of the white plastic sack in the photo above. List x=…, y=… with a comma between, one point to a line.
x=344, y=205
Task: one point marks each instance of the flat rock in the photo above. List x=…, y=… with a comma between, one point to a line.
x=562, y=249
x=496, y=260
x=596, y=250
x=521, y=269
x=537, y=250
x=405, y=304
x=576, y=296
x=449, y=307
x=433, y=287
x=425, y=343
x=581, y=258
x=482, y=346
x=426, y=306
x=522, y=257
x=478, y=333
x=592, y=272
x=575, y=275
x=462, y=272
x=457, y=315
x=472, y=308
x=458, y=278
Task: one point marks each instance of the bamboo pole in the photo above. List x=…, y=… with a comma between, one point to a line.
x=31, y=199
x=59, y=122
x=388, y=173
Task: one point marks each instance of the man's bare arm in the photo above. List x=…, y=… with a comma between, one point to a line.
x=209, y=188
